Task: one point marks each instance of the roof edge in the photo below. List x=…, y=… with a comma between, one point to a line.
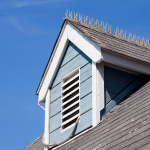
x=46, y=68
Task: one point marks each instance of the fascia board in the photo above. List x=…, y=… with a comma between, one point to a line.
x=54, y=63
x=69, y=33
x=84, y=43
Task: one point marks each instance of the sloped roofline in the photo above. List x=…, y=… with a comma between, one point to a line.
x=46, y=68
x=69, y=33
x=135, y=51
x=98, y=38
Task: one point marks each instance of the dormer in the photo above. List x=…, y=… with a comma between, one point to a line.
x=88, y=73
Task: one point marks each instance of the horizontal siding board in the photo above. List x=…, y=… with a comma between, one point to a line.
x=86, y=88
x=109, y=96
x=118, y=74
x=85, y=122
x=55, y=122
x=81, y=60
x=71, y=52
x=85, y=72
x=122, y=95
x=56, y=92
x=55, y=107
x=72, y=59
x=86, y=103
x=113, y=85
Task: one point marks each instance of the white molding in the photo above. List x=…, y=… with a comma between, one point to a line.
x=47, y=119
x=84, y=44
x=126, y=62
x=94, y=95
x=81, y=41
x=121, y=68
x=54, y=63
x=100, y=88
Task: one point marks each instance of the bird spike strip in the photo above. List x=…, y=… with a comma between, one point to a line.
x=105, y=27
x=88, y=21
x=132, y=38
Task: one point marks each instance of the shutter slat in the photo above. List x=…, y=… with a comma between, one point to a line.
x=71, y=105
x=70, y=80
x=70, y=98
x=67, y=121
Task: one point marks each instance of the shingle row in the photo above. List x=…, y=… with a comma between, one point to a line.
x=126, y=127
x=113, y=43
x=36, y=144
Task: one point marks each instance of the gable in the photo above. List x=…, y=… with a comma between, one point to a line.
x=75, y=50
x=68, y=33
x=72, y=59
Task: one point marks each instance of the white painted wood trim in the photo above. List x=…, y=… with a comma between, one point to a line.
x=84, y=44
x=73, y=74
x=81, y=41
x=71, y=99
x=71, y=92
x=78, y=101
x=126, y=62
x=100, y=88
x=74, y=110
x=54, y=63
x=77, y=82
x=70, y=80
x=70, y=119
x=47, y=119
x=94, y=93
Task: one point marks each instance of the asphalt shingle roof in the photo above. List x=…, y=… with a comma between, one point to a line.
x=36, y=144
x=126, y=127
x=112, y=43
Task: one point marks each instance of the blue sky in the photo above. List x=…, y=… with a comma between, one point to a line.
x=28, y=31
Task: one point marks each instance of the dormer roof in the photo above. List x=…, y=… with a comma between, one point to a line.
x=106, y=42
x=109, y=42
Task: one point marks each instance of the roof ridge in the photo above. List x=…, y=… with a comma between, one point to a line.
x=106, y=28
x=107, y=33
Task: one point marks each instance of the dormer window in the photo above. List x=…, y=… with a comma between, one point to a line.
x=70, y=98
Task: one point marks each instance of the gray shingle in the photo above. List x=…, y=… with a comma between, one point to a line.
x=126, y=127
x=36, y=144
x=115, y=44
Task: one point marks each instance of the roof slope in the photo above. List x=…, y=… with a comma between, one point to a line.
x=107, y=42
x=112, y=43
x=126, y=127
x=36, y=144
